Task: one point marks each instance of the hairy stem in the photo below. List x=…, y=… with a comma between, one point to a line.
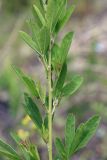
x=50, y=106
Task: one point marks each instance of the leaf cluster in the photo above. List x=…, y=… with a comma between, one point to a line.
x=75, y=138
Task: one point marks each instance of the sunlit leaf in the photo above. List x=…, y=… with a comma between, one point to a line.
x=65, y=19
x=39, y=4
x=39, y=15
x=60, y=11
x=50, y=14
x=72, y=86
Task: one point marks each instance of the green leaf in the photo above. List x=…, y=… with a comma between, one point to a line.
x=39, y=15
x=46, y=121
x=61, y=80
x=41, y=92
x=8, y=155
x=59, y=54
x=57, y=158
x=33, y=112
x=44, y=39
x=34, y=152
x=40, y=41
x=60, y=11
x=65, y=45
x=72, y=86
x=34, y=28
x=63, y=6
x=60, y=147
x=55, y=11
x=15, y=137
x=40, y=36
x=30, y=84
x=25, y=152
x=56, y=56
x=50, y=13
x=36, y=18
x=29, y=41
x=7, y=148
x=65, y=19
x=69, y=132
x=39, y=4
x=45, y=131
x=84, y=133
x=90, y=128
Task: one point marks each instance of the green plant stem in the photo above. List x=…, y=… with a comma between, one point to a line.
x=50, y=106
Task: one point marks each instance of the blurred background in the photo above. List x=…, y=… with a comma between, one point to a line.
x=88, y=56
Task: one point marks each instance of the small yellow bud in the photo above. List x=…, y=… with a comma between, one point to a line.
x=23, y=134
x=26, y=120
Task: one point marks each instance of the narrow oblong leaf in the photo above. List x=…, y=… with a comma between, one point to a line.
x=33, y=111
x=65, y=19
x=40, y=36
x=63, y=6
x=61, y=80
x=36, y=18
x=29, y=41
x=7, y=148
x=45, y=131
x=72, y=86
x=56, y=63
x=44, y=39
x=25, y=153
x=39, y=4
x=41, y=92
x=46, y=121
x=50, y=14
x=15, y=137
x=34, y=152
x=60, y=11
x=8, y=155
x=30, y=84
x=65, y=45
x=69, y=132
x=60, y=147
x=84, y=133
x=39, y=15
x=59, y=54
x=34, y=28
